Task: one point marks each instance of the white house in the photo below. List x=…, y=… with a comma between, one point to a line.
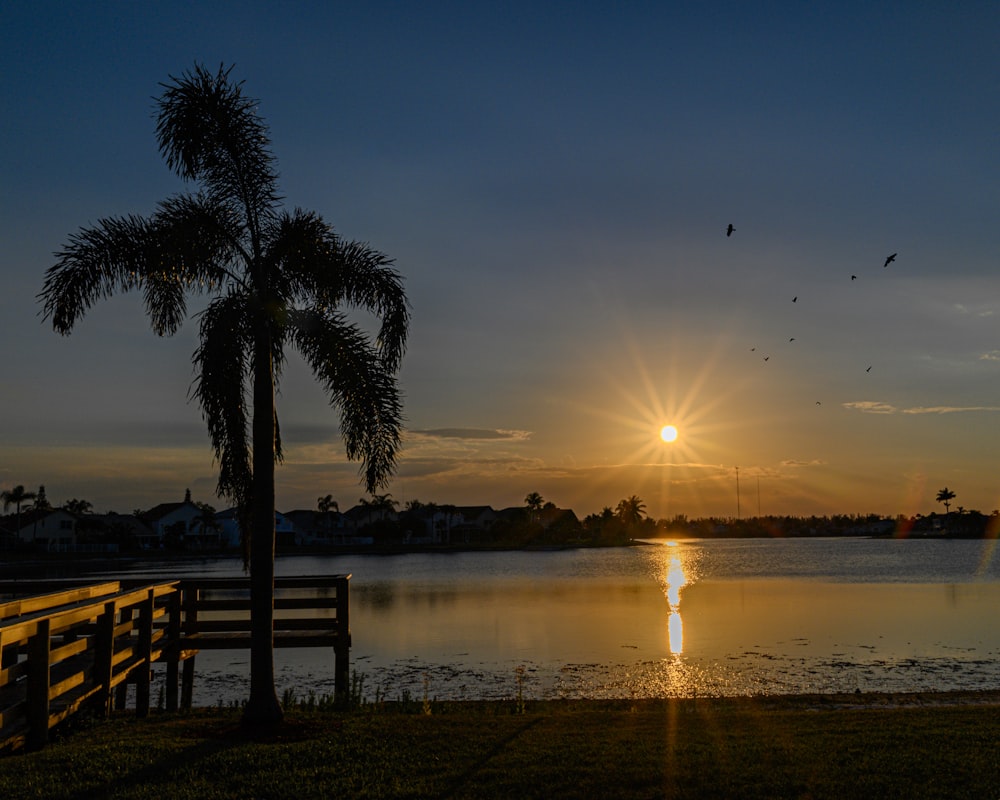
x=175, y=521
x=47, y=528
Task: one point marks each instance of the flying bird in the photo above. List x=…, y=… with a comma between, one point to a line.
x=889, y=260
x=854, y=277
x=766, y=357
x=868, y=370
x=792, y=339
x=794, y=299
x=730, y=229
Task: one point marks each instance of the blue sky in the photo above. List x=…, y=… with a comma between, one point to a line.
x=554, y=182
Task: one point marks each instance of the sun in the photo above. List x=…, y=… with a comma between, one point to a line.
x=668, y=433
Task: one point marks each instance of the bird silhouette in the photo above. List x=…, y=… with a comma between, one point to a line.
x=792, y=339
x=795, y=299
x=868, y=370
x=889, y=260
x=767, y=357
x=854, y=277
x=730, y=229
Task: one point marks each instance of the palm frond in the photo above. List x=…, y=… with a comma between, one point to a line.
x=201, y=239
x=369, y=281
x=97, y=262
x=222, y=366
x=359, y=384
x=209, y=131
x=324, y=268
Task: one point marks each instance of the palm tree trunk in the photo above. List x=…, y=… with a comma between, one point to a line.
x=263, y=707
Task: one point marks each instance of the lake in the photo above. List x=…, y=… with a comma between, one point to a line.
x=669, y=619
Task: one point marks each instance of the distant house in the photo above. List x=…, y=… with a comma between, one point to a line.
x=474, y=524
x=319, y=527
x=286, y=534
x=113, y=532
x=173, y=523
x=52, y=529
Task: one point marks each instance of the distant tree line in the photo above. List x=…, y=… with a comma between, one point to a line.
x=537, y=524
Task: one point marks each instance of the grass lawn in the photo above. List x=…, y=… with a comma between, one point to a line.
x=803, y=747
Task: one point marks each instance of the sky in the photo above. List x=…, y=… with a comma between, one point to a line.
x=554, y=182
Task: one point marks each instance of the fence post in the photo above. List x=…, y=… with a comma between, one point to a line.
x=8, y=655
x=104, y=652
x=192, y=594
x=342, y=645
x=39, y=651
x=173, y=649
x=145, y=655
x=123, y=615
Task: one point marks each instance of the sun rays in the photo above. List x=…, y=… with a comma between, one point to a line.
x=660, y=420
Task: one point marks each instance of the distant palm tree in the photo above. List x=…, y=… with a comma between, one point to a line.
x=207, y=521
x=534, y=501
x=945, y=496
x=327, y=504
x=76, y=506
x=380, y=504
x=631, y=510
x=15, y=497
x=275, y=279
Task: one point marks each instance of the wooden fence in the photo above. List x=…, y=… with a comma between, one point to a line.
x=64, y=647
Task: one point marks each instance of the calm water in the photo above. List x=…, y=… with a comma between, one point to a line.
x=706, y=617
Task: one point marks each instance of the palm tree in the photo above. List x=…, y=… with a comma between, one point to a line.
x=631, y=510
x=274, y=279
x=76, y=506
x=534, y=501
x=326, y=504
x=945, y=496
x=207, y=522
x=15, y=497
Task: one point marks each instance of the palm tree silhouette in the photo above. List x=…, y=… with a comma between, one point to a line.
x=275, y=279
x=945, y=496
x=631, y=510
x=534, y=501
x=15, y=497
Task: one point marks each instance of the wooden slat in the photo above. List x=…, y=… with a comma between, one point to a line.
x=42, y=602
x=69, y=650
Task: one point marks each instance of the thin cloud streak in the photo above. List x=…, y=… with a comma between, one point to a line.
x=875, y=407
x=475, y=434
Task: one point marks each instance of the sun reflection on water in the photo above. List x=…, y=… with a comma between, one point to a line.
x=672, y=572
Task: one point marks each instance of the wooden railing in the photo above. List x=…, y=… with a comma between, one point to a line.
x=58, y=658
x=70, y=646
x=311, y=611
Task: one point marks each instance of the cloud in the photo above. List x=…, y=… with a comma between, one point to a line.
x=874, y=407
x=479, y=434
x=871, y=407
x=791, y=462
x=948, y=409
x=965, y=310
x=992, y=355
